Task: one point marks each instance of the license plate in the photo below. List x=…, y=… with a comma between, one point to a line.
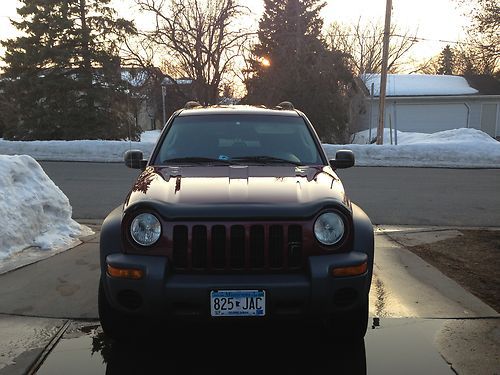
x=238, y=302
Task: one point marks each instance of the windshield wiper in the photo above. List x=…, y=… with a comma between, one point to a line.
x=196, y=160
x=265, y=160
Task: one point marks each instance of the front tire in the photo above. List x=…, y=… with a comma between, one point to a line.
x=349, y=326
x=114, y=323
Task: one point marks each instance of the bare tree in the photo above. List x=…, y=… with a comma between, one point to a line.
x=200, y=38
x=427, y=66
x=363, y=42
x=469, y=58
x=473, y=58
x=480, y=53
x=484, y=29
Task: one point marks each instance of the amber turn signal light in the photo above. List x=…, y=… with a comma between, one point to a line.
x=349, y=271
x=125, y=273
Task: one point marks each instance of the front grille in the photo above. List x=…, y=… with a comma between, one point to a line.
x=238, y=248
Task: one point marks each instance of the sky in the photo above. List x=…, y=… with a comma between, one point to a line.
x=435, y=20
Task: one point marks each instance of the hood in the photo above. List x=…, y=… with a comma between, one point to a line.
x=220, y=187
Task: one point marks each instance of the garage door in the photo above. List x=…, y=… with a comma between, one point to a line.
x=430, y=118
x=489, y=118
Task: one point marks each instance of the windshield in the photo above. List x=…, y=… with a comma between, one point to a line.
x=251, y=139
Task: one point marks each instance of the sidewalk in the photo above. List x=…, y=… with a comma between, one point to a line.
x=470, y=256
x=39, y=298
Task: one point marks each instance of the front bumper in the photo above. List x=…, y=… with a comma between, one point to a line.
x=161, y=293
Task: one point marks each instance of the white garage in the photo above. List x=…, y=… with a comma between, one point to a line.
x=430, y=117
x=431, y=103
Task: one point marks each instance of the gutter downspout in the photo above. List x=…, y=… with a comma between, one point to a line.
x=468, y=114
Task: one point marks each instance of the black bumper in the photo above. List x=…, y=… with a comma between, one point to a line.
x=163, y=294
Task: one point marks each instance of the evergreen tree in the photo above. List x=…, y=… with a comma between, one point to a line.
x=62, y=76
x=446, y=61
x=301, y=69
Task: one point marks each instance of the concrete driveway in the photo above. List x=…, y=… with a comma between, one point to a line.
x=40, y=301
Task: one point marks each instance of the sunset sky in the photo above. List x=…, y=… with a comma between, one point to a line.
x=434, y=19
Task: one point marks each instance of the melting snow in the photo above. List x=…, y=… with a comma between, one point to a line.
x=34, y=212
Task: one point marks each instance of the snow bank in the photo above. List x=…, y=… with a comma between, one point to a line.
x=455, y=136
x=457, y=148
x=86, y=150
x=34, y=212
x=150, y=136
x=419, y=84
x=99, y=151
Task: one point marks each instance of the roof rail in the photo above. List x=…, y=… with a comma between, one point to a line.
x=288, y=106
x=192, y=104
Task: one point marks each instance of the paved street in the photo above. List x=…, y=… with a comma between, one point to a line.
x=94, y=189
x=426, y=196
x=399, y=196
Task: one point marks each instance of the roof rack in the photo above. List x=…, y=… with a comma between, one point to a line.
x=287, y=106
x=192, y=104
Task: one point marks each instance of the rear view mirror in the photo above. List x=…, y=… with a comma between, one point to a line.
x=343, y=159
x=134, y=159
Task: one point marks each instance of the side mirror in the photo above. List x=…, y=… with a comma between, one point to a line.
x=134, y=159
x=343, y=159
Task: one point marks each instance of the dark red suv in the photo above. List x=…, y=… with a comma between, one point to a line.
x=237, y=214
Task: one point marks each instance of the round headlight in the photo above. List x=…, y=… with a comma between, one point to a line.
x=145, y=229
x=329, y=228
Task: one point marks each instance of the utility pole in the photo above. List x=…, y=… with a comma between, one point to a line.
x=163, y=95
x=383, y=75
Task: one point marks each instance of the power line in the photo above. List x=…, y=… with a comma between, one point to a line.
x=431, y=40
x=415, y=38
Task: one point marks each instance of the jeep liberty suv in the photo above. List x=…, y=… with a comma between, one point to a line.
x=237, y=214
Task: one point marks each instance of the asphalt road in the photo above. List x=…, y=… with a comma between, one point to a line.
x=426, y=196
x=93, y=189
x=399, y=196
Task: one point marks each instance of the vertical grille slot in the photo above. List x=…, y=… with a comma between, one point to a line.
x=219, y=246
x=199, y=246
x=294, y=246
x=257, y=246
x=237, y=257
x=276, y=246
x=238, y=247
x=180, y=246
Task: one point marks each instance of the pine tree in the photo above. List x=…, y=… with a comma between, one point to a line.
x=62, y=76
x=301, y=69
x=446, y=61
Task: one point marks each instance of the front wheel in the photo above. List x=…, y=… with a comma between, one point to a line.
x=350, y=325
x=114, y=323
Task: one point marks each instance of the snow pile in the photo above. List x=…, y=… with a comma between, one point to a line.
x=99, y=151
x=419, y=84
x=86, y=150
x=460, y=135
x=150, y=136
x=34, y=212
x=457, y=148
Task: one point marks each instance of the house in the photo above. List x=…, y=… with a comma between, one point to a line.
x=155, y=94
x=431, y=103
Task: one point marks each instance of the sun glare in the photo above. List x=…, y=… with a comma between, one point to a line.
x=265, y=61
